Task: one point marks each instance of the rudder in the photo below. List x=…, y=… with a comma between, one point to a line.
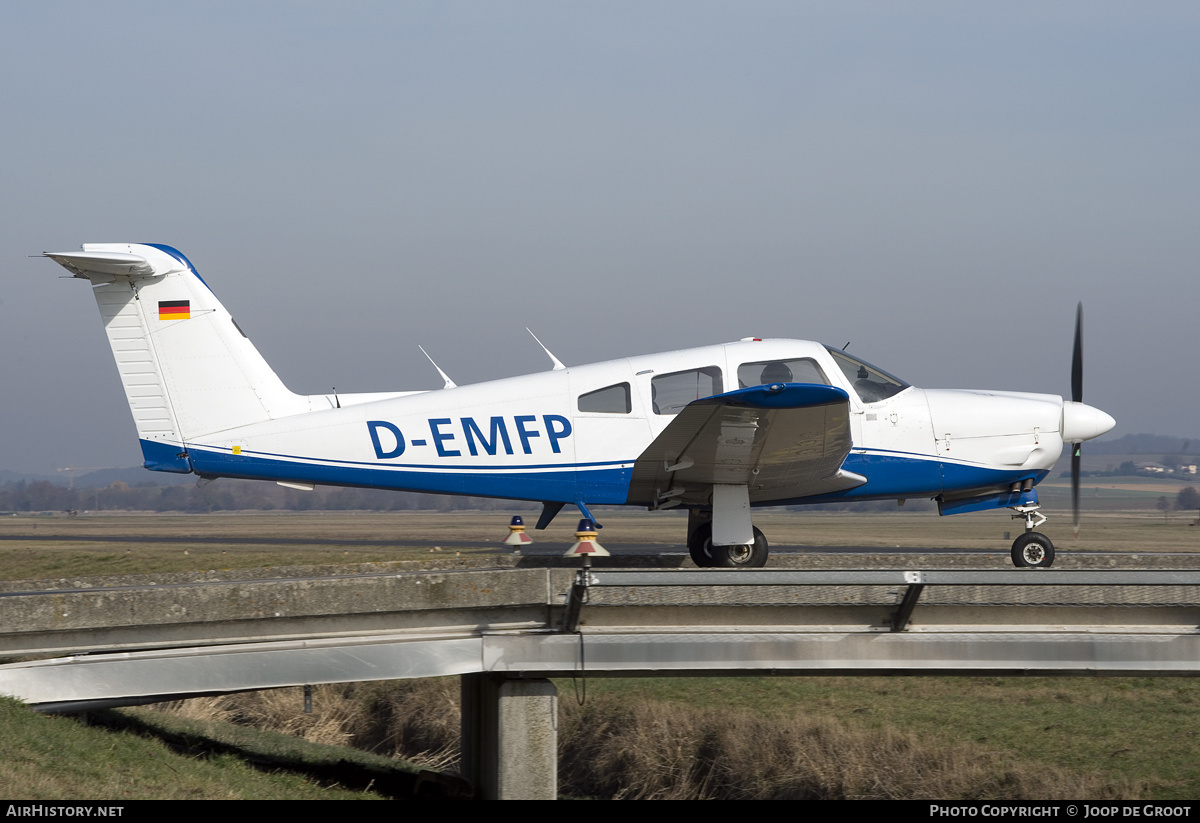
x=187, y=368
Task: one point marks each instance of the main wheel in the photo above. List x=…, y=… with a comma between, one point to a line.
x=1033, y=550
x=700, y=546
x=706, y=555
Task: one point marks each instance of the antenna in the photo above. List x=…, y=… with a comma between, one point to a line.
x=450, y=384
x=557, y=363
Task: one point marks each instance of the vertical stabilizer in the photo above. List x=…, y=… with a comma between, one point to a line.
x=187, y=369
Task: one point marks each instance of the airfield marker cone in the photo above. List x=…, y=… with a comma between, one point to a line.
x=516, y=533
x=585, y=542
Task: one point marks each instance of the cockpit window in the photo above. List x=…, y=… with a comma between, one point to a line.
x=871, y=384
x=766, y=372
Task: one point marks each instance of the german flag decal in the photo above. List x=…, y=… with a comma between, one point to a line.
x=174, y=309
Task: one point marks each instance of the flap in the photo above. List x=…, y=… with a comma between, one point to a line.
x=783, y=441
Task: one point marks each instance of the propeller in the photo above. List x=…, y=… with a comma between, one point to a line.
x=1077, y=396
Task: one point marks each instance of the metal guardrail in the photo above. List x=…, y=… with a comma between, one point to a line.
x=530, y=623
x=913, y=582
x=885, y=577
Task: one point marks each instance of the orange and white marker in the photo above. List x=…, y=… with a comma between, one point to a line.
x=516, y=533
x=585, y=542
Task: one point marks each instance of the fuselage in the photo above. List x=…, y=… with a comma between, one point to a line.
x=574, y=434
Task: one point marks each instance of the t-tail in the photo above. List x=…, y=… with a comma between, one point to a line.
x=187, y=368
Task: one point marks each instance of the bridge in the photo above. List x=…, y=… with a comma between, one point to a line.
x=508, y=630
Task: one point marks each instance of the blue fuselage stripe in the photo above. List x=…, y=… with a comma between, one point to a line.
x=890, y=475
x=428, y=467
x=564, y=484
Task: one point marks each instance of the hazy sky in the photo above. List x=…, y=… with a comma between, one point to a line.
x=938, y=183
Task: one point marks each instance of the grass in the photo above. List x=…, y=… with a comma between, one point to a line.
x=647, y=749
x=698, y=739
x=41, y=547
x=50, y=757
x=1129, y=734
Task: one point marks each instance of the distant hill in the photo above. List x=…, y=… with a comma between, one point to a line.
x=1141, y=444
x=102, y=478
x=134, y=476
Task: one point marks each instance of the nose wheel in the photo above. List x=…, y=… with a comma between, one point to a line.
x=1032, y=549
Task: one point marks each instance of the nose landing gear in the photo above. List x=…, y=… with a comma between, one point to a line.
x=1032, y=549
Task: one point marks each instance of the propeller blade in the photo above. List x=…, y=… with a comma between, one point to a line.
x=1077, y=396
x=1075, y=460
x=1077, y=358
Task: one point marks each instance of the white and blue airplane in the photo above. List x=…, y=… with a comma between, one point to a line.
x=717, y=430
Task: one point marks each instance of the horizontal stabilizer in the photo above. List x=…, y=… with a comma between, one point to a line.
x=105, y=264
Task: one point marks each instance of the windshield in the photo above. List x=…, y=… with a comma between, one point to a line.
x=871, y=384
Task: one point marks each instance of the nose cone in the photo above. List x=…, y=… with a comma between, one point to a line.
x=1082, y=422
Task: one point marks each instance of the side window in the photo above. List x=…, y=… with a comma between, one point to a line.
x=803, y=370
x=609, y=400
x=671, y=392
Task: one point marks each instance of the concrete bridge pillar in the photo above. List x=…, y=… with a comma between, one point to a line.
x=510, y=737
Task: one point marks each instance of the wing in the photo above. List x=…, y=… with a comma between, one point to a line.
x=782, y=441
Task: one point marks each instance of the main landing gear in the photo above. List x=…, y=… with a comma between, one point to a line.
x=1032, y=549
x=706, y=555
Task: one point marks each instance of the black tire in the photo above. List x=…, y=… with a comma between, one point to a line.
x=706, y=555
x=700, y=546
x=1033, y=550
